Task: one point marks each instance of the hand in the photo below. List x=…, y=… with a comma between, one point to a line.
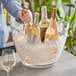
x=27, y=17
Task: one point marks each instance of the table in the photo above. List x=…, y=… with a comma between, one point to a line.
x=65, y=66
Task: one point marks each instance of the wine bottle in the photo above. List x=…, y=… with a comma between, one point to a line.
x=43, y=23
x=34, y=29
x=51, y=32
x=25, y=6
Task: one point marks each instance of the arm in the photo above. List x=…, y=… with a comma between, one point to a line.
x=12, y=6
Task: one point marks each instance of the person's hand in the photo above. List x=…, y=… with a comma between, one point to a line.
x=27, y=17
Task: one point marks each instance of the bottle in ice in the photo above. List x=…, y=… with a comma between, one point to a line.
x=34, y=30
x=25, y=6
x=51, y=32
x=43, y=23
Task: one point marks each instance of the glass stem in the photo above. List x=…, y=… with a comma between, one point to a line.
x=7, y=73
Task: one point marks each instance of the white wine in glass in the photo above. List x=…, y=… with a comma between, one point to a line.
x=8, y=60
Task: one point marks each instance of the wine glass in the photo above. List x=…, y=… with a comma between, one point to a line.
x=62, y=27
x=8, y=60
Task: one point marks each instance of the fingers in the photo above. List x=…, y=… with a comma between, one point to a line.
x=26, y=18
x=26, y=14
x=20, y=16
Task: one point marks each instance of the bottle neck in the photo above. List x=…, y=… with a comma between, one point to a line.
x=36, y=18
x=22, y=3
x=53, y=14
x=19, y=1
x=44, y=12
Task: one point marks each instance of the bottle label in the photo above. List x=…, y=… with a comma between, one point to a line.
x=43, y=25
x=34, y=30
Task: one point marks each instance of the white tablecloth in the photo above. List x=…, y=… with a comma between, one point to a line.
x=65, y=66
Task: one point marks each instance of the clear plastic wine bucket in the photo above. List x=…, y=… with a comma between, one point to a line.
x=40, y=55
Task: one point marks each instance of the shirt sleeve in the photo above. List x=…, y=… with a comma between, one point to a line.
x=12, y=6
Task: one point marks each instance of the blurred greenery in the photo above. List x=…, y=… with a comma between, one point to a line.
x=71, y=39
x=36, y=5
x=69, y=16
